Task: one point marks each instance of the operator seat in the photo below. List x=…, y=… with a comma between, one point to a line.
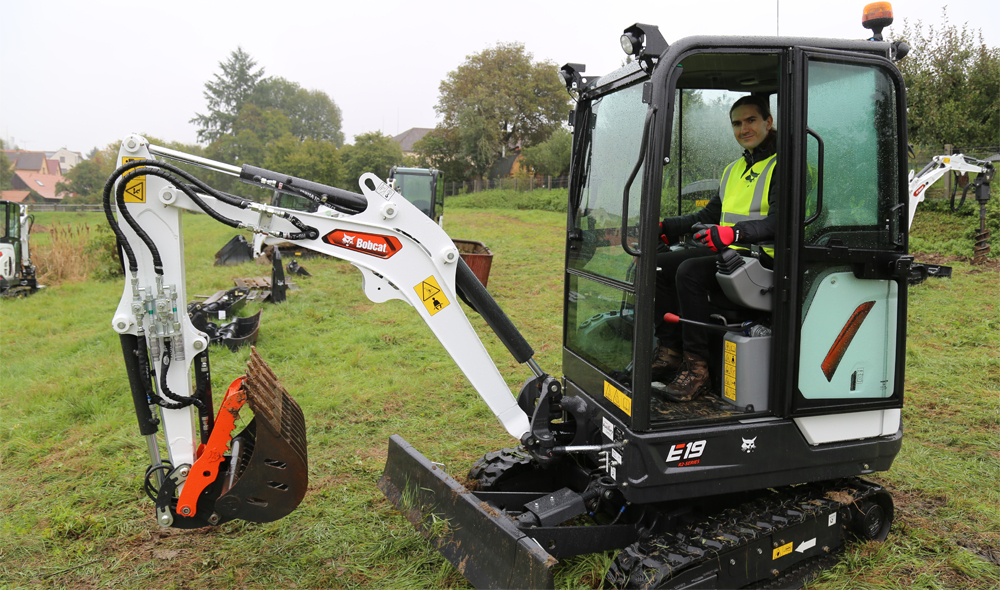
x=745, y=281
x=749, y=288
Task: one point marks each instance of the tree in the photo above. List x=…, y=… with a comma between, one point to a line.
x=6, y=169
x=499, y=99
x=371, y=152
x=86, y=180
x=953, y=85
x=227, y=94
x=251, y=133
x=441, y=148
x=318, y=161
x=551, y=157
x=311, y=113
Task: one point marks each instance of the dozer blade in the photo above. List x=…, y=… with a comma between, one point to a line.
x=268, y=470
x=483, y=544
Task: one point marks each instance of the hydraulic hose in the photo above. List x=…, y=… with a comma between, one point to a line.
x=133, y=264
x=181, y=402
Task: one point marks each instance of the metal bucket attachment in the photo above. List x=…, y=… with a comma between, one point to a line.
x=268, y=471
x=483, y=544
x=236, y=251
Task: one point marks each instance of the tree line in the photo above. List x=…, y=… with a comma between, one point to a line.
x=501, y=102
x=497, y=102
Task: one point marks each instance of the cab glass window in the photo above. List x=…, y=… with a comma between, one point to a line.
x=851, y=114
x=611, y=151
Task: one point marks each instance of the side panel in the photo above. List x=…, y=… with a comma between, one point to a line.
x=848, y=349
x=851, y=245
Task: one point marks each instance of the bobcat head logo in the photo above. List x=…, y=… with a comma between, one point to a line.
x=749, y=445
x=751, y=177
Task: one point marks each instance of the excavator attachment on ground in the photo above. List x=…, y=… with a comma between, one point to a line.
x=265, y=475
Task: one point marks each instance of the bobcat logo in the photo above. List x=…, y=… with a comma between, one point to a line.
x=751, y=177
x=749, y=445
x=348, y=240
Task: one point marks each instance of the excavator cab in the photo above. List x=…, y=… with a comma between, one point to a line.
x=419, y=186
x=651, y=141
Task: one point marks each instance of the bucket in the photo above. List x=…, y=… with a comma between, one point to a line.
x=477, y=256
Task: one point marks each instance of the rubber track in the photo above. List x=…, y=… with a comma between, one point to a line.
x=655, y=561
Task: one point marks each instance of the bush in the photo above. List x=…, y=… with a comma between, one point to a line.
x=544, y=200
x=104, y=254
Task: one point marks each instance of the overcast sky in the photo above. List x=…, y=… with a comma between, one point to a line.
x=83, y=74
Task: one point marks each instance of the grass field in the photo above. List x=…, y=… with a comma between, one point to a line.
x=74, y=515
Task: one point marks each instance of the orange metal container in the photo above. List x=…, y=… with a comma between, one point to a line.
x=478, y=257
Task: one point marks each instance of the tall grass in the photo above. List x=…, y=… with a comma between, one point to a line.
x=63, y=257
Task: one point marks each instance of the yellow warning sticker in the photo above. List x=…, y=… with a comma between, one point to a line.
x=431, y=294
x=729, y=381
x=135, y=190
x=701, y=203
x=618, y=398
x=783, y=550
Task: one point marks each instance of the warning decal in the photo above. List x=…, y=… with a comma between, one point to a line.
x=135, y=190
x=783, y=550
x=618, y=398
x=431, y=294
x=729, y=388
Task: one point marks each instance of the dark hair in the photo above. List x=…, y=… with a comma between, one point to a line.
x=763, y=107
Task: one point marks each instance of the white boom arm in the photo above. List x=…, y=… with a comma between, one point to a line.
x=401, y=253
x=932, y=172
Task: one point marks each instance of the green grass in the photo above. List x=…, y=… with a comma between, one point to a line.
x=74, y=515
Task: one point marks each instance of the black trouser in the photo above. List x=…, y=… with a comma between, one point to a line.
x=684, y=283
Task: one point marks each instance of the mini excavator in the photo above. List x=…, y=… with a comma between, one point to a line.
x=760, y=482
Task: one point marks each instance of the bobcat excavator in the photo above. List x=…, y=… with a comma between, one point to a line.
x=17, y=273
x=758, y=483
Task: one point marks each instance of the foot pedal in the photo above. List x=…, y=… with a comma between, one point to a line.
x=269, y=469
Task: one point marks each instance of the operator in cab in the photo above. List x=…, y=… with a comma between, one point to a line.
x=740, y=215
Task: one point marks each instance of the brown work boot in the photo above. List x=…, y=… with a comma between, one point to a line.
x=666, y=363
x=691, y=382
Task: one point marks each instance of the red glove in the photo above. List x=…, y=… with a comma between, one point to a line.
x=716, y=237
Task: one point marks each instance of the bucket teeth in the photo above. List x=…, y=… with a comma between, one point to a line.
x=272, y=406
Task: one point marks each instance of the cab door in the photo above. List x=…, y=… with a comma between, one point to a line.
x=602, y=261
x=847, y=247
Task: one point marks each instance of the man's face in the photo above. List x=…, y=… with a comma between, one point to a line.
x=749, y=127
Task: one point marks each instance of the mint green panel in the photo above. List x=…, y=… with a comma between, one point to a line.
x=848, y=341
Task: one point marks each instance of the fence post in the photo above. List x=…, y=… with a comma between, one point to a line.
x=947, y=178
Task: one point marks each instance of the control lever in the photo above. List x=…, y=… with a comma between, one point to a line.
x=722, y=326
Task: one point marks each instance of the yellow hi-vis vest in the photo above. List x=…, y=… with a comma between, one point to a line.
x=744, y=192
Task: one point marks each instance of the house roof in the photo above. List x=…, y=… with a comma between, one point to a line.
x=43, y=184
x=54, y=166
x=502, y=167
x=411, y=136
x=27, y=160
x=14, y=196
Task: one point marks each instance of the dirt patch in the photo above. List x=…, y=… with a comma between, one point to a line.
x=489, y=509
x=992, y=264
